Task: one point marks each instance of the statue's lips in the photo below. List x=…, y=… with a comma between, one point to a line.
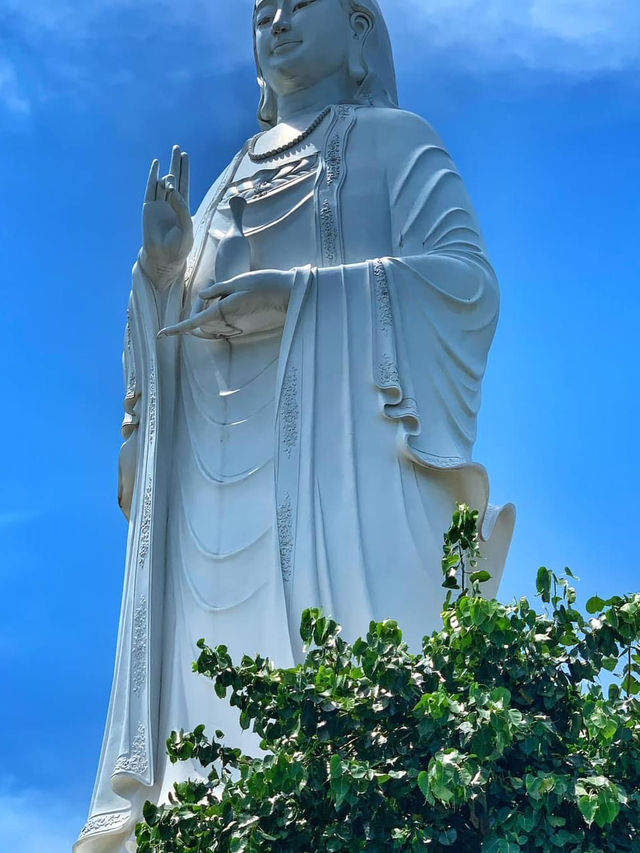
x=284, y=44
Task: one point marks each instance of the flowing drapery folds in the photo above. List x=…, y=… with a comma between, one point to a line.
x=317, y=466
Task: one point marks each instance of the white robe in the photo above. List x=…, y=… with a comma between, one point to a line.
x=316, y=466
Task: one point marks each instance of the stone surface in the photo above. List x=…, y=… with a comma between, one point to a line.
x=299, y=435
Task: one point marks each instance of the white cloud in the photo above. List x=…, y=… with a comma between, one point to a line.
x=68, y=39
x=80, y=20
x=580, y=21
x=10, y=92
x=568, y=36
x=33, y=822
x=556, y=35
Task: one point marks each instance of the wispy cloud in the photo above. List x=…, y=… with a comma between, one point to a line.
x=586, y=34
x=94, y=45
x=568, y=36
x=32, y=821
x=11, y=95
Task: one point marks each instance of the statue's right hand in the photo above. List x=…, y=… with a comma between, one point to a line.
x=167, y=228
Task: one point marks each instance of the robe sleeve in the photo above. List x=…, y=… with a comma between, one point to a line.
x=443, y=294
x=130, y=423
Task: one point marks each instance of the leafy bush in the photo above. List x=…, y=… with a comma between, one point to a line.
x=498, y=737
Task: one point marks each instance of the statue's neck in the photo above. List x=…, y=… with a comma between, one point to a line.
x=297, y=108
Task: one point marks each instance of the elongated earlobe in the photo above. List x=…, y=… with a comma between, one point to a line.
x=361, y=26
x=268, y=109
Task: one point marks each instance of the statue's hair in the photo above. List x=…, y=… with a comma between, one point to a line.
x=373, y=74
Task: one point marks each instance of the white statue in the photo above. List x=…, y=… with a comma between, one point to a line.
x=300, y=432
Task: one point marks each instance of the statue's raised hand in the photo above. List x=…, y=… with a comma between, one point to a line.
x=167, y=229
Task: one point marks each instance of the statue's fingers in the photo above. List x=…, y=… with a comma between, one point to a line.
x=179, y=328
x=152, y=182
x=222, y=334
x=174, y=168
x=184, y=178
x=193, y=322
x=216, y=291
x=178, y=203
x=167, y=184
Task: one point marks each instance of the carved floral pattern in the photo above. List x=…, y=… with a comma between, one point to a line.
x=388, y=373
x=383, y=297
x=140, y=617
x=139, y=647
x=289, y=411
x=131, y=370
x=329, y=233
x=268, y=181
x=285, y=536
x=443, y=461
x=104, y=822
x=137, y=761
x=334, y=160
x=152, y=404
x=145, y=525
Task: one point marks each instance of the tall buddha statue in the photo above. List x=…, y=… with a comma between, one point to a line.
x=303, y=367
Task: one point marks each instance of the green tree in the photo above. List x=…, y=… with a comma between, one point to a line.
x=498, y=737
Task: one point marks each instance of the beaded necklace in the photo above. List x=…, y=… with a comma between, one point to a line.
x=275, y=152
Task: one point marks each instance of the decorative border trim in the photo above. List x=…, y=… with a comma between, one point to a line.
x=139, y=647
x=332, y=177
x=137, y=761
x=130, y=360
x=104, y=823
x=383, y=297
x=387, y=373
x=285, y=537
x=153, y=405
x=334, y=159
x=145, y=524
x=289, y=411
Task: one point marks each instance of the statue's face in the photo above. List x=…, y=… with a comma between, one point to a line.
x=300, y=42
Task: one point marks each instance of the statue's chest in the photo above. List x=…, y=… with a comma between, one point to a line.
x=279, y=219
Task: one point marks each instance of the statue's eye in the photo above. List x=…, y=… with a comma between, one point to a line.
x=302, y=3
x=264, y=21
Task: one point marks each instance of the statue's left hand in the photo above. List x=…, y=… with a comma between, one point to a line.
x=253, y=302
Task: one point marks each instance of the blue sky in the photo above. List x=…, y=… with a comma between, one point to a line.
x=537, y=101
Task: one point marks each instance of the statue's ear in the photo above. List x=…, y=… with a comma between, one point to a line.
x=361, y=26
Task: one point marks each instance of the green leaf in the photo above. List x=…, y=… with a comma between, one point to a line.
x=480, y=577
x=423, y=783
x=150, y=813
x=595, y=605
x=493, y=844
x=306, y=625
x=335, y=767
x=543, y=584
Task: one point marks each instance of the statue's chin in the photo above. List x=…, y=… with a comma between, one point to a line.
x=286, y=48
x=291, y=67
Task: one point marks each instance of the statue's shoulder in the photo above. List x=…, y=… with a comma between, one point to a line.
x=397, y=129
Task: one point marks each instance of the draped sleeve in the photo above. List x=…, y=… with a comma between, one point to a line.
x=396, y=319
x=444, y=295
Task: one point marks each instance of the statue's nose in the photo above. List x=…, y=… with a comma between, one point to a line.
x=280, y=23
